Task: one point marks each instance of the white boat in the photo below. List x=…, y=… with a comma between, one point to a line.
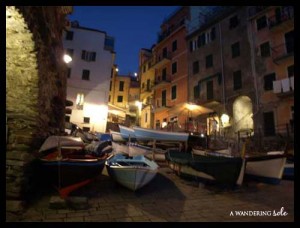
x=127, y=132
x=131, y=172
x=131, y=149
x=118, y=137
x=267, y=168
x=151, y=134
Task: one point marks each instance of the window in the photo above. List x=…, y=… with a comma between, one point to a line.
x=121, y=86
x=174, y=92
x=235, y=49
x=165, y=53
x=290, y=70
x=261, y=23
x=144, y=68
x=213, y=33
x=193, y=45
x=164, y=98
x=80, y=101
x=233, y=22
x=69, y=52
x=201, y=40
x=209, y=61
x=69, y=35
x=269, y=126
x=110, y=85
x=67, y=119
x=109, y=98
x=86, y=75
x=174, y=45
x=148, y=85
x=86, y=129
x=120, y=99
x=174, y=68
x=265, y=49
x=195, y=67
x=237, y=80
x=146, y=117
x=86, y=119
x=164, y=74
x=209, y=90
x=197, y=91
x=88, y=56
x=69, y=72
x=268, y=81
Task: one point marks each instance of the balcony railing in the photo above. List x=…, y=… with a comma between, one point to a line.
x=162, y=60
x=286, y=14
x=284, y=86
x=283, y=51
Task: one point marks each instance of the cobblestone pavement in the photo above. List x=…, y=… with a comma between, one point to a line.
x=169, y=198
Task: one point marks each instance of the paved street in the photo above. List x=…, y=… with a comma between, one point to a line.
x=169, y=198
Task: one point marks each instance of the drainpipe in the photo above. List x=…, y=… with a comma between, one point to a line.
x=222, y=62
x=252, y=48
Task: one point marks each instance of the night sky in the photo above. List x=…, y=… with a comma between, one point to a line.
x=133, y=27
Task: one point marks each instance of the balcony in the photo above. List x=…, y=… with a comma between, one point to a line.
x=282, y=51
x=161, y=83
x=147, y=90
x=161, y=61
x=284, y=87
x=255, y=10
x=282, y=21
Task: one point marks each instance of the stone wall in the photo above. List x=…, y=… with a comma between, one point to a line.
x=35, y=89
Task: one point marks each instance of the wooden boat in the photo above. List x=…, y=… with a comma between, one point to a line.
x=66, y=166
x=223, y=170
x=131, y=172
x=151, y=134
x=224, y=152
x=267, y=168
x=126, y=132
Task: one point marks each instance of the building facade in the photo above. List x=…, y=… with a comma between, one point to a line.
x=92, y=53
x=271, y=30
x=169, y=61
x=220, y=73
x=147, y=79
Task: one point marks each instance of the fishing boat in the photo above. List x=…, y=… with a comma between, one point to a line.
x=126, y=132
x=66, y=166
x=151, y=134
x=266, y=168
x=131, y=172
x=223, y=170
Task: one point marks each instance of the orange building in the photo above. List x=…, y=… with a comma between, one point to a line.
x=272, y=35
x=171, y=72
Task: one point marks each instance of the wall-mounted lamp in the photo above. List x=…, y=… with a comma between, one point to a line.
x=225, y=119
x=67, y=58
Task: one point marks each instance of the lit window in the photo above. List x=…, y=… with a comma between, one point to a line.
x=80, y=101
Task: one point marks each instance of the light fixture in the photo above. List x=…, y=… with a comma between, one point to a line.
x=67, y=58
x=135, y=74
x=225, y=119
x=117, y=69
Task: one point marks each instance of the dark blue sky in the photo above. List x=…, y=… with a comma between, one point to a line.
x=133, y=27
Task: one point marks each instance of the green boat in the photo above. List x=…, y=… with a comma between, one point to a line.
x=219, y=169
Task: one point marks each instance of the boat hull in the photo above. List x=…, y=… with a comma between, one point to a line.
x=228, y=171
x=70, y=174
x=150, y=134
x=268, y=169
x=132, y=173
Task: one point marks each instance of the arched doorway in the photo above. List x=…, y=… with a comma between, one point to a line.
x=242, y=114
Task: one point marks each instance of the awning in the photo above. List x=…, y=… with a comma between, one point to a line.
x=189, y=109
